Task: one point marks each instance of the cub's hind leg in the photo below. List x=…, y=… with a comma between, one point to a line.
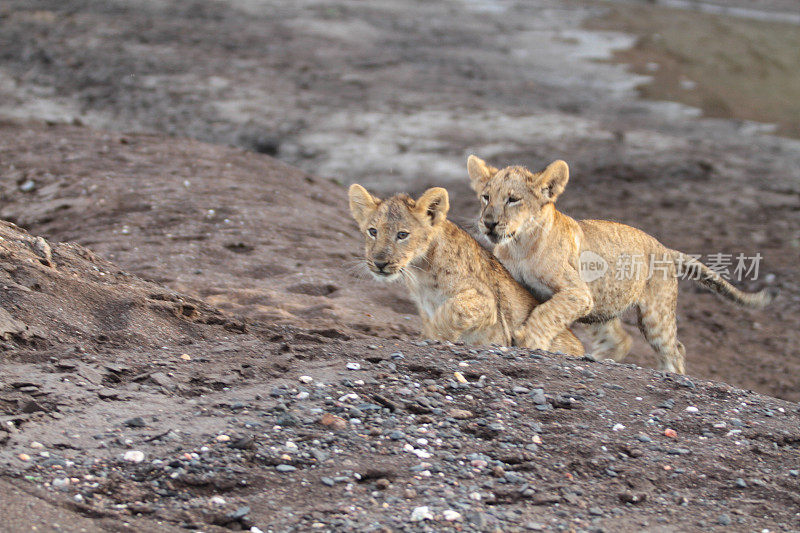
x=609, y=340
x=658, y=324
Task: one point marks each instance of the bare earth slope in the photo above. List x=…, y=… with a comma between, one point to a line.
x=144, y=408
x=267, y=241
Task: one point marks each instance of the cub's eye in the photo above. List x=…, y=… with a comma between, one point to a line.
x=401, y=235
x=513, y=199
x=485, y=198
x=372, y=232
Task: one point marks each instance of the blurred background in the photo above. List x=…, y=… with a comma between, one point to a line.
x=677, y=117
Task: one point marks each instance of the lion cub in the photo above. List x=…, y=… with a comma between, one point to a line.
x=461, y=291
x=549, y=252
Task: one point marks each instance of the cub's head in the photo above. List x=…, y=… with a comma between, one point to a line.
x=397, y=230
x=514, y=197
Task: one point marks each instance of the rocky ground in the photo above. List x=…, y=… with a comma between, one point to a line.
x=200, y=357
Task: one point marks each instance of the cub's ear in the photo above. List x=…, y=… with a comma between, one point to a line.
x=479, y=172
x=362, y=203
x=552, y=180
x=433, y=205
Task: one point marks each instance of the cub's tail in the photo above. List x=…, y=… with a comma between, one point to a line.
x=695, y=270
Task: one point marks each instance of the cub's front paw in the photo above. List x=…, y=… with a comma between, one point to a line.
x=524, y=339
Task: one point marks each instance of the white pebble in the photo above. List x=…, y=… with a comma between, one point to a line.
x=451, y=515
x=618, y=427
x=217, y=500
x=353, y=366
x=350, y=396
x=305, y=379
x=133, y=456
x=421, y=513
x=692, y=409
x=223, y=438
x=37, y=445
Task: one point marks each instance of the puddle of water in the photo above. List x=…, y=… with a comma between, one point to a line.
x=486, y=6
x=734, y=11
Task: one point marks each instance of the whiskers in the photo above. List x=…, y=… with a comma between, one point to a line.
x=408, y=275
x=359, y=269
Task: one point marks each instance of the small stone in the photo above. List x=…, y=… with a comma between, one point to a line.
x=595, y=511
x=724, y=520
x=742, y=484
x=284, y=469
x=223, y=438
x=692, y=409
x=353, y=366
x=244, y=443
x=133, y=456
x=671, y=433
x=60, y=482
x=217, y=500
x=137, y=422
x=186, y=357
x=451, y=516
x=794, y=473
x=37, y=445
x=618, y=427
x=382, y=484
x=305, y=379
x=27, y=186
x=334, y=422
x=459, y=378
x=538, y=397
x=641, y=437
x=328, y=481
x=460, y=414
x=421, y=513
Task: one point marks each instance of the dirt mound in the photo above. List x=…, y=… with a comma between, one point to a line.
x=64, y=295
x=244, y=232
x=126, y=402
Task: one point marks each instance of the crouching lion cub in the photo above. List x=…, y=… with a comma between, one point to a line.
x=553, y=255
x=462, y=292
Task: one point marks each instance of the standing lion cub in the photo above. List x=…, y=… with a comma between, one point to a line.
x=552, y=255
x=461, y=291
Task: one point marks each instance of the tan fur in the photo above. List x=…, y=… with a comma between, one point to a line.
x=542, y=249
x=462, y=292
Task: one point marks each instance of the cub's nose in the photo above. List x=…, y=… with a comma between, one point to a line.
x=380, y=265
x=490, y=225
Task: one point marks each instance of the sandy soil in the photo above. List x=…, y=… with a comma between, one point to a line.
x=145, y=409
x=241, y=263
x=398, y=107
